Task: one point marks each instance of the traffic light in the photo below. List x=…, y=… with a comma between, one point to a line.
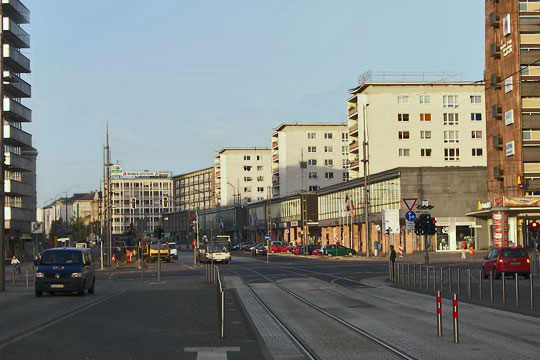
x=418, y=225
x=133, y=203
x=533, y=228
x=432, y=229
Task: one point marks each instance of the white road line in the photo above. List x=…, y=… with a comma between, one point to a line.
x=211, y=353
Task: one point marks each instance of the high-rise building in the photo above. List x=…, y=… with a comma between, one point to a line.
x=194, y=190
x=412, y=121
x=306, y=157
x=242, y=175
x=512, y=75
x=20, y=156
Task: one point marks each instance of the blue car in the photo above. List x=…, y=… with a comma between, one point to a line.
x=65, y=270
x=299, y=250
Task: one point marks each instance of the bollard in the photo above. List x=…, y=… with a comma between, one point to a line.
x=503, y=289
x=441, y=281
x=397, y=271
x=459, y=282
x=469, y=292
x=517, y=290
x=450, y=280
x=455, y=316
x=480, y=281
x=439, y=315
x=27, y=285
x=421, y=278
x=402, y=272
x=427, y=278
x=491, y=286
x=434, y=279
x=414, y=276
x=531, y=290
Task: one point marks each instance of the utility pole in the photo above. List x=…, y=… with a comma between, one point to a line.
x=268, y=222
x=304, y=222
x=107, y=195
x=2, y=173
x=366, y=191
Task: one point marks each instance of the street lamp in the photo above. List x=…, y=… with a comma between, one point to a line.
x=235, y=195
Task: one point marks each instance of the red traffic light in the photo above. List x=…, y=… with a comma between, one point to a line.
x=534, y=225
x=193, y=242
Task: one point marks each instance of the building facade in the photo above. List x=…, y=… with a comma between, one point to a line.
x=138, y=196
x=20, y=156
x=306, y=157
x=512, y=75
x=415, y=123
x=242, y=175
x=194, y=190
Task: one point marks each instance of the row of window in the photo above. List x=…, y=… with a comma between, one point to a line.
x=327, y=175
x=249, y=178
x=450, y=154
x=248, y=168
x=329, y=135
x=259, y=189
x=248, y=157
x=449, y=101
x=450, y=136
x=448, y=118
x=327, y=149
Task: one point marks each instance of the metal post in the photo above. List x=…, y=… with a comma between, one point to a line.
x=517, y=290
x=450, y=280
x=480, y=283
x=27, y=278
x=469, y=290
x=439, y=315
x=459, y=282
x=503, y=289
x=397, y=271
x=455, y=316
x=441, y=280
x=403, y=274
x=421, y=277
x=434, y=279
x=13, y=278
x=222, y=313
x=491, y=286
x=427, y=277
x=531, y=290
x=159, y=260
x=408, y=275
x=414, y=276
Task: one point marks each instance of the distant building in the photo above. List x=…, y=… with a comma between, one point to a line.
x=242, y=175
x=307, y=157
x=194, y=190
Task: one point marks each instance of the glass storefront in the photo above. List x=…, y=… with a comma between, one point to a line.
x=463, y=233
x=443, y=242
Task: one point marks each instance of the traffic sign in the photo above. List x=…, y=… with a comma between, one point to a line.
x=410, y=216
x=409, y=225
x=410, y=203
x=266, y=237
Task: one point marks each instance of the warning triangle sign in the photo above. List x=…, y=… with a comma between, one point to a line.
x=409, y=203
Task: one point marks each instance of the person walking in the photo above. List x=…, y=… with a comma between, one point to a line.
x=16, y=265
x=463, y=247
x=392, y=259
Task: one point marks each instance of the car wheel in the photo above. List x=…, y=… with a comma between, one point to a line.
x=91, y=290
x=39, y=293
x=350, y=253
x=330, y=255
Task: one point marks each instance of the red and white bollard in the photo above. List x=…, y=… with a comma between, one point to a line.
x=400, y=250
x=455, y=316
x=439, y=315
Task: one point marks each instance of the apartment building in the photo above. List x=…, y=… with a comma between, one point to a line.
x=411, y=123
x=242, y=175
x=512, y=73
x=20, y=156
x=139, y=195
x=306, y=157
x=194, y=190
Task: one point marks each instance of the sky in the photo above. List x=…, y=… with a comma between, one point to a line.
x=178, y=80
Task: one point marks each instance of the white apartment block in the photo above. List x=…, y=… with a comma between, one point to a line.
x=151, y=193
x=242, y=175
x=306, y=157
x=428, y=124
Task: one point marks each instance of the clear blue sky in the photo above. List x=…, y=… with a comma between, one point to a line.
x=178, y=80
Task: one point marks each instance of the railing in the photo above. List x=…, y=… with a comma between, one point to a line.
x=352, y=111
x=353, y=129
x=213, y=276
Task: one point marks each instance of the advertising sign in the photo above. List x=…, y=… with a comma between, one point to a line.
x=500, y=229
x=116, y=170
x=390, y=220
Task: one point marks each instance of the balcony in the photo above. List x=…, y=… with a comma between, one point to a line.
x=275, y=171
x=15, y=213
x=531, y=104
x=14, y=86
x=353, y=147
x=275, y=157
x=17, y=112
x=16, y=11
x=353, y=129
x=18, y=163
x=17, y=188
x=16, y=137
x=529, y=88
x=15, y=61
x=354, y=164
x=14, y=34
x=529, y=39
x=275, y=181
x=352, y=112
x=274, y=144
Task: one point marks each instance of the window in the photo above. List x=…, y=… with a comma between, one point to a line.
x=450, y=119
x=247, y=168
x=259, y=168
x=344, y=136
x=425, y=152
x=476, y=134
x=247, y=189
x=402, y=99
x=508, y=84
x=260, y=189
x=425, y=117
x=259, y=157
x=451, y=154
x=312, y=149
x=509, y=117
x=312, y=162
x=404, y=152
x=403, y=135
x=450, y=101
x=425, y=99
x=329, y=175
x=247, y=157
x=477, y=152
x=402, y=117
x=451, y=136
x=260, y=178
x=476, y=99
x=476, y=117
x=425, y=134
x=345, y=176
x=313, y=188
x=329, y=162
x=345, y=163
x=312, y=175
x=328, y=149
x=247, y=178
x=345, y=150
x=311, y=135
x=327, y=135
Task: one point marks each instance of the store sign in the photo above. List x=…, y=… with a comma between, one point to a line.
x=506, y=25
x=509, y=117
x=510, y=148
x=390, y=220
x=484, y=206
x=139, y=174
x=116, y=170
x=294, y=223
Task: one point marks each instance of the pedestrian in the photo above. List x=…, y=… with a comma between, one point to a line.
x=37, y=259
x=463, y=247
x=471, y=248
x=392, y=258
x=16, y=265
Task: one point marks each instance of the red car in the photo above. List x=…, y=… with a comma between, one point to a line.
x=278, y=246
x=508, y=260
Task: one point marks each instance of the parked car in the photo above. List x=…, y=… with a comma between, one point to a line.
x=235, y=247
x=258, y=249
x=299, y=250
x=508, y=260
x=280, y=246
x=174, y=250
x=246, y=246
x=338, y=250
x=317, y=251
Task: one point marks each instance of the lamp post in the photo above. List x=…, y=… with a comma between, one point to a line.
x=236, y=205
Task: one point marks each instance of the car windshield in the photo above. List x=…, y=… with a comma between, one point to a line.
x=61, y=258
x=508, y=253
x=218, y=246
x=155, y=246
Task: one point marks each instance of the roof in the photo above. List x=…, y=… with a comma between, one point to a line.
x=82, y=196
x=284, y=125
x=365, y=85
x=243, y=148
x=211, y=168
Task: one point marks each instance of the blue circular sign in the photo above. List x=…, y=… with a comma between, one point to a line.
x=266, y=237
x=410, y=216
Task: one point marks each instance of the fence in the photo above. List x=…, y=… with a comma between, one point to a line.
x=213, y=276
x=466, y=283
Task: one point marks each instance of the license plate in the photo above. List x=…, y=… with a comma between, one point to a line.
x=515, y=263
x=57, y=286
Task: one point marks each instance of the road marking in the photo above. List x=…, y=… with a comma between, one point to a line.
x=110, y=276
x=211, y=353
